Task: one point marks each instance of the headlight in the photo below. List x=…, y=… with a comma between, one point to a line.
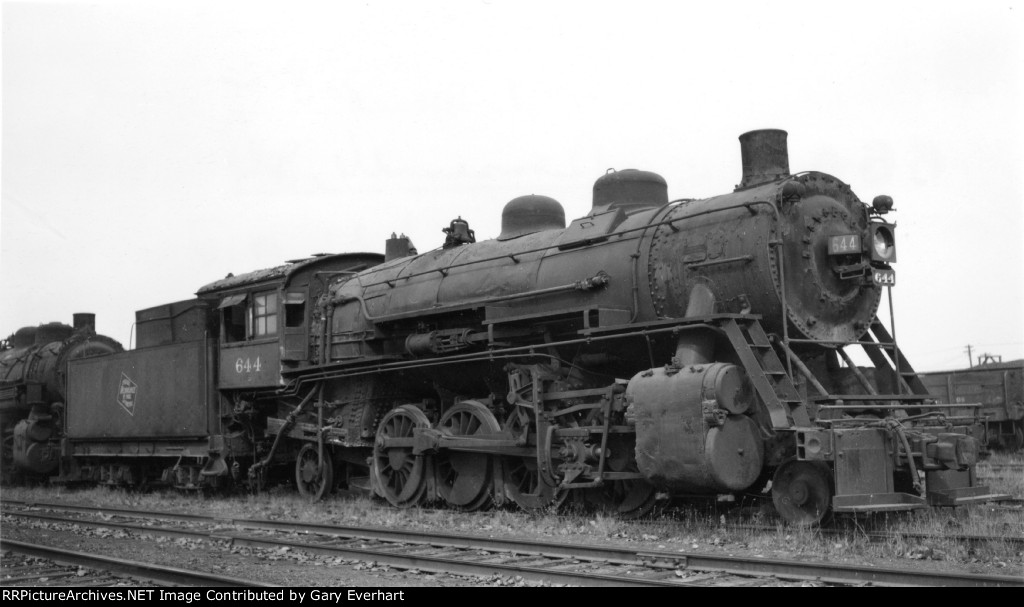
x=883, y=242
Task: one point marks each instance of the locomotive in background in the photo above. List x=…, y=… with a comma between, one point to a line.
x=33, y=391
x=687, y=348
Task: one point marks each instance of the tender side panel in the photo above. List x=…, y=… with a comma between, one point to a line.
x=161, y=391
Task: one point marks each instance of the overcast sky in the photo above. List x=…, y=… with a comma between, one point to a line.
x=152, y=147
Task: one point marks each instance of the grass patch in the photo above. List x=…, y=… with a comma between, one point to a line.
x=999, y=480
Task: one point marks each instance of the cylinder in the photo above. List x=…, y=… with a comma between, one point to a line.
x=32, y=450
x=765, y=156
x=691, y=432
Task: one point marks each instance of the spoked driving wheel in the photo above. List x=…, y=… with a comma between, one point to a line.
x=465, y=479
x=802, y=491
x=313, y=480
x=524, y=483
x=400, y=475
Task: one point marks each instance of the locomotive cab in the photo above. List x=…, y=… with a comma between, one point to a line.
x=269, y=318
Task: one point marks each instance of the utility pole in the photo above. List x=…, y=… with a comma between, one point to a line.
x=970, y=359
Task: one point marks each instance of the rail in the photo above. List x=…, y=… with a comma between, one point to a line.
x=149, y=571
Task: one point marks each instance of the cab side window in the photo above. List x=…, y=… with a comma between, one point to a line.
x=233, y=318
x=264, y=315
x=294, y=309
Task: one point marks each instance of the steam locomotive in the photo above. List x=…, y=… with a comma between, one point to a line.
x=693, y=347
x=33, y=369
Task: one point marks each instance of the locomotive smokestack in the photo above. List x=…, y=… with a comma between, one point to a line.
x=82, y=320
x=765, y=157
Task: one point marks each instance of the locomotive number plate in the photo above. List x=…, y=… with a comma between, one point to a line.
x=886, y=278
x=847, y=244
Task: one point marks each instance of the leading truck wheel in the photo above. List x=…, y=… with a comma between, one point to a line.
x=802, y=492
x=314, y=481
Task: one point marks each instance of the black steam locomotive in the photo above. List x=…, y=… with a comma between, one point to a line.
x=698, y=347
x=33, y=382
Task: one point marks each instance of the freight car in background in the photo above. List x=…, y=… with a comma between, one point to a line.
x=649, y=347
x=997, y=388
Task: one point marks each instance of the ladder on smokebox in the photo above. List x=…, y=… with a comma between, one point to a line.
x=767, y=373
x=775, y=385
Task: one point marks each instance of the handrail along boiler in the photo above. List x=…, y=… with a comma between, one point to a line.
x=649, y=347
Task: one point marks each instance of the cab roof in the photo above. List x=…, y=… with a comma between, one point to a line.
x=284, y=272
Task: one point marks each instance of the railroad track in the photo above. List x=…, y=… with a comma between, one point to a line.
x=23, y=570
x=1000, y=471
x=1012, y=541
x=550, y=562
x=1002, y=467
x=26, y=564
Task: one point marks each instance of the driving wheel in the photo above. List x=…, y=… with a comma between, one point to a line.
x=465, y=479
x=401, y=475
x=523, y=482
